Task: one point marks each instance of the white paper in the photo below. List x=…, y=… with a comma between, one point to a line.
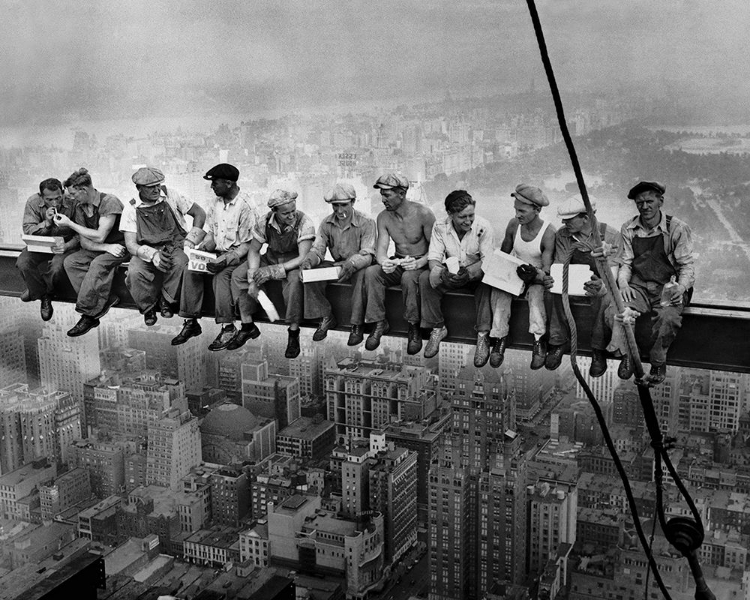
x=324, y=274
x=267, y=306
x=197, y=260
x=577, y=276
x=41, y=243
x=500, y=272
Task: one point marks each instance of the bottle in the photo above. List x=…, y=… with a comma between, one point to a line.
x=666, y=293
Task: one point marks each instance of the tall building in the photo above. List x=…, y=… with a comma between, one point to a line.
x=174, y=447
x=12, y=350
x=366, y=395
x=531, y=387
x=306, y=367
x=552, y=511
x=602, y=387
x=451, y=360
x=230, y=496
x=711, y=400
x=105, y=462
x=184, y=362
x=273, y=396
x=477, y=494
x=67, y=490
x=229, y=372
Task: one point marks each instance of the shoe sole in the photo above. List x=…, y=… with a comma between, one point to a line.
x=377, y=344
x=69, y=334
x=180, y=342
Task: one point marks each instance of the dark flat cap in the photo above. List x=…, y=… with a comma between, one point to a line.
x=388, y=181
x=530, y=194
x=223, y=171
x=644, y=186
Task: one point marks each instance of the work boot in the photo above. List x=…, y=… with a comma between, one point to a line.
x=190, y=329
x=414, y=338
x=165, y=308
x=497, y=354
x=373, y=340
x=84, y=325
x=26, y=296
x=657, y=375
x=555, y=355
x=482, y=351
x=292, y=345
x=149, y=317
x=46, y=308
x=249, y=331
x=113, y=300
x=437, y=335
x=326, y=323
x=357, y=335
x=225, y=336
x=625, y=370
x=598, y=363
x=538, y=354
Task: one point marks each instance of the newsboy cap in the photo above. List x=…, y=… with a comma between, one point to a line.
x=148, y=176
x=281, y=197
x=388, y=181
x=574, y=206
x=645, y=186
x=223, y=171
x=341, y=192
x=529, y=194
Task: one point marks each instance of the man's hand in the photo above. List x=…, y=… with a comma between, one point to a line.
x=527, y=273
x=252, y=290
x=409, y=263
x=436, y=276
x=261, y=275
x=461, y=278
x=116, y=250
x=605, y=251
x=50, y=215
x=389, y=266
x=58, y=248
x=188, y=245
x=595, y=287
x=628, y=294
x=162, y=262
x=346, y=271
x=547, y=281
x=61, y=220
x=677, y=292
x=214, y=266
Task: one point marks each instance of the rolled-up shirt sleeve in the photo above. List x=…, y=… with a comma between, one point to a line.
x=321, y=243
x=363, y=258
x=437, y=244
x=684, y=258
x=626, y=256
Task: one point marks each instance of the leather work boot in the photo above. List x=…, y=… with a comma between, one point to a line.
x=414, y=338
x=538, y=355
x=497, y=354
x=373, y=340
x=625, y=370
x=292, y=345
x=165, y=308
x=657, y=375
x=149, y=317
x=249, y=331
x=437, y=335
x=482, y=352
x=356, y=336
x=598, y=363
x=555, y=355
x=191, y=328
x=222, y=340
x=46, y=308
x=326, y=323
x=84, y=325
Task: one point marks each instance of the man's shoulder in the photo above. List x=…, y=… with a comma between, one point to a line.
x=34, y=200
x=423, y=211
x=675, y=223
x=110, y=199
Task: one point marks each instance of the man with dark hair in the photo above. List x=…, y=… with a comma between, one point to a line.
x=409, y=226
x=91, y=269
x=229, y=224
x=466, y=239
x=574, y=243
x=155, y=235
x=44, y=273
x=350, y=237
x=288, y=234
x=657, y=250
x=532, y=240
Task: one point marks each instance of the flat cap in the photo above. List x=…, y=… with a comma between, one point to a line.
x=529, y=194
x=223, y=171
x=644, y=186
x=341, y=192
x=388, y=181
x=148, y=176
x=574, y=206
x=281, y=197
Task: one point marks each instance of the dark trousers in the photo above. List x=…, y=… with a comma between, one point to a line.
x=376, y=280
x=43, y=273
x=432, y=311
x=317, y=305
x=665, y=320
x=559, y=332
x=191, y=297
x=147, y=283
x=91, y=274
x=291, y=289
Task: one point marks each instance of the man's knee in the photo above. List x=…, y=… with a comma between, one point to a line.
x=374, y=274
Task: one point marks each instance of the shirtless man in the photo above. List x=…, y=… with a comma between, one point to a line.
x=532, y=240
x=409, y=225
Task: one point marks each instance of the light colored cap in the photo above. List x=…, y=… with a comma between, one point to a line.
x=280, y=197
x=148, y=176
x=529, y=194
x=341, y=192
x=574, y=206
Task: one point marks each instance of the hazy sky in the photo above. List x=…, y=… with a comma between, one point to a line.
x=71, y=59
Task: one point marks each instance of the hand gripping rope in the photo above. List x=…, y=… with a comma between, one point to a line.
x=684, y=533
